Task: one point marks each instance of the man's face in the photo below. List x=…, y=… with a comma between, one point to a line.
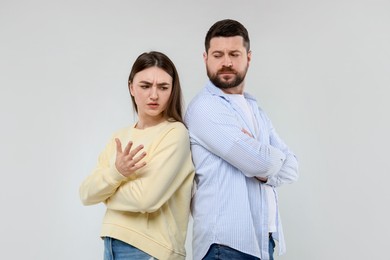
x=227, y=62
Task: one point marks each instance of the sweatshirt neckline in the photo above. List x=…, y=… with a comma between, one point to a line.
x=163, y=123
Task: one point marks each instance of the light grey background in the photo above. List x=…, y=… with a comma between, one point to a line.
x=320, y=69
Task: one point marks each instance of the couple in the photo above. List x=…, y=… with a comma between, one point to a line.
x=145, y=174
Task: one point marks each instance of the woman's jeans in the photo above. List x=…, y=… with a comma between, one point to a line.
x=221, y=252
x=115, y=249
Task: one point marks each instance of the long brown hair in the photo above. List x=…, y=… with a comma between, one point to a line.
x=157, y=59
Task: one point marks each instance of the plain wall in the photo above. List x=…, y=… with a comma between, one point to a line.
x=320, y=69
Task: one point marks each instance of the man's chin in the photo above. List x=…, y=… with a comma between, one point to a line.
x=226, y=81
x=224, y=85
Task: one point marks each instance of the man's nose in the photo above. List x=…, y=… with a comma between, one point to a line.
x=228, y=61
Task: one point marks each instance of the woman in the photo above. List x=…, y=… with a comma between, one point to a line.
x=146, y=186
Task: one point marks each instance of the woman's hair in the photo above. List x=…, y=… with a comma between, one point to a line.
x=157, y=59
x=227, y=28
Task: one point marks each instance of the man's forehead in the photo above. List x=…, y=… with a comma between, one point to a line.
x=230, y=43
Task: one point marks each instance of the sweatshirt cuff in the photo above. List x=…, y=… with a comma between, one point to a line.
x=114, y=177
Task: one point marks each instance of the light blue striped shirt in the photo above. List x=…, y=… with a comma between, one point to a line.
x=229, y=206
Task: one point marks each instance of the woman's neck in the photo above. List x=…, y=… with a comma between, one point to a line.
x=145, y=123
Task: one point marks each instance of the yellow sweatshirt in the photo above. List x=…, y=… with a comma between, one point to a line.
x=150, y=209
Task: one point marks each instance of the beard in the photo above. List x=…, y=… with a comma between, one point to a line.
x=238, y=78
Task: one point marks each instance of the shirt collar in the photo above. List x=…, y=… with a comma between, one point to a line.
x=217, y=91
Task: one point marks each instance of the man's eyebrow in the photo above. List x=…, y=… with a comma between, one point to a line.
x=219, y=52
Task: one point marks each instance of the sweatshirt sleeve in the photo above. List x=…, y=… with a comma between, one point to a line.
x=168, y=166
x=104, y=180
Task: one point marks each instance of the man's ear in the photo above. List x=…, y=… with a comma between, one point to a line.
x=204, y=57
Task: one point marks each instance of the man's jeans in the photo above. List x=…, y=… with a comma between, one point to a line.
x=115, y=249
x=221, y=252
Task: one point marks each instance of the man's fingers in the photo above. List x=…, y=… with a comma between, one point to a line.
x=246, y=132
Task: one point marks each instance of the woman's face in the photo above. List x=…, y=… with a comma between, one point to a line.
x=151, y=89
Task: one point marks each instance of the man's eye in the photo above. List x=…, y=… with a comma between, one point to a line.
x=144, y=86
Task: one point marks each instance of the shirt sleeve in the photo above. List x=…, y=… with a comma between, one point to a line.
x=104, y=180
x=289, y=170
x=214, y=125
x=167, y=168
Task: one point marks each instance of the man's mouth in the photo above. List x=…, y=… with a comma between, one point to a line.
x=226, y=72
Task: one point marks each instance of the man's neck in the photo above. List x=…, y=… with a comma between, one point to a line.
x=235, y=90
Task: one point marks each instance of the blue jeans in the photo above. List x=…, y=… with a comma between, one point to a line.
x=220, y=252
x=115, y=249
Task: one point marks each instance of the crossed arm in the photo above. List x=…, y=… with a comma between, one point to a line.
x=223, y=135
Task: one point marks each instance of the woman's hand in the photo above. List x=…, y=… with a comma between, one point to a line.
x=127, y=161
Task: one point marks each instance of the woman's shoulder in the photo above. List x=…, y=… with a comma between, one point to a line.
x=175, y=133
x=123, y=131
x=175, y=125
x=173, y=129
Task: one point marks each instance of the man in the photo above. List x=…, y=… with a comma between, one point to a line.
x=239, y=158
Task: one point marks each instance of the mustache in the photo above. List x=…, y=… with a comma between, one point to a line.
x=227, y=69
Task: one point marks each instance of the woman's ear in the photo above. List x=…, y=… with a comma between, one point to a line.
x=131, y=89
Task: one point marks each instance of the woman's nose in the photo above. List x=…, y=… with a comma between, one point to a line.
x=153, y=93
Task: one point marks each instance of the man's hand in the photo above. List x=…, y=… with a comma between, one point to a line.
x=126, y=161
x=262, y=179
x=247, y=133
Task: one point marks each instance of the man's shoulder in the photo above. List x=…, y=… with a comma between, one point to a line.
x=202, y=97
x=205, y=98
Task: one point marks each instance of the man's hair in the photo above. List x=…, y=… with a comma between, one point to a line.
x=227, y=28
x=157, y=59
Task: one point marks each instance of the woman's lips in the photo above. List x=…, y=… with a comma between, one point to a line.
x=153, y=105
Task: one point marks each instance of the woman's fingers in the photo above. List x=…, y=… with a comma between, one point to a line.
x=139, y=157
x=128, y=148
x=128, y=161
x=134, y=152
x=118, y=146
